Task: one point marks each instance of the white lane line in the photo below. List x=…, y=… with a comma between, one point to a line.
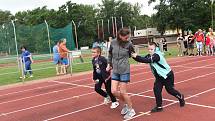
x=187, y=103
x=173, y=103
x=84, y=109
x=189, y=79
x=81, y=80
x=37, y=106
x=59, y=82
x=199, y=105
x=44, y=87
x=32, y=107
x=145, y=113
x=29, y=97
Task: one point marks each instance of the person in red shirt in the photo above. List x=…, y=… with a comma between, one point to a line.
x=199, y=36
x=64, y=56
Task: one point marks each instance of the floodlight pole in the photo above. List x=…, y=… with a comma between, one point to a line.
x=76, y=36
x=47, y=26
x=17, y=54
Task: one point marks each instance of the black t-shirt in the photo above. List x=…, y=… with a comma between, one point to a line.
x=190, y=41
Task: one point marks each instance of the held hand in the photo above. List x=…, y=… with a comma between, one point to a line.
x=108, y=67
x=134, y=55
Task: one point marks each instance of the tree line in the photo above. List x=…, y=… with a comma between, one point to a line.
x=171, y=14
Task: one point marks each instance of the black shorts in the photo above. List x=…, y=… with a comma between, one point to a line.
x=191, y=46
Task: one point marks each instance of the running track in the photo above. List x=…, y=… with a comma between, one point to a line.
x=74, y=99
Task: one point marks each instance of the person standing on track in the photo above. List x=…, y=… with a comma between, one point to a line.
x=100, y=76
x=118, y=59
x=164, y=76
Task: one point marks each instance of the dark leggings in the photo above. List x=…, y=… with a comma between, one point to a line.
x=107, y=87
x=28, y=67
x=169, y=86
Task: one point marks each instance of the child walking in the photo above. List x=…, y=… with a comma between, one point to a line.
x=164, y=76
x=26, y=58
x=100, y=76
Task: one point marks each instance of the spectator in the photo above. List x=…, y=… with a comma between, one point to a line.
x=180, y=44
x=64, y=56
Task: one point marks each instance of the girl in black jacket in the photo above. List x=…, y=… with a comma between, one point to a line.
x=100, y=76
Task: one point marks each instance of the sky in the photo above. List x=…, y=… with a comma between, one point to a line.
x=21, y=5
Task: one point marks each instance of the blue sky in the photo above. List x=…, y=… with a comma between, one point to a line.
x=20, y=5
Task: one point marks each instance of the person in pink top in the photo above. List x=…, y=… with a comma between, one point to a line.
x=199, y=36
x=207, y=43
x=210, y=42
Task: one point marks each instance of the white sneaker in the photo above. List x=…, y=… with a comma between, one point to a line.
x=124, y=109
x=22, y=77
x=114, y=105
x=106, y=100
x=130, y=114
x=31, y=76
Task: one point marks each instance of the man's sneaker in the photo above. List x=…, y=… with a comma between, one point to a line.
x=124, y=109
x=114, y=105
x=156, y=109
x=130, y=114
x=106, y=100
x=182, y=101
x=31, y=76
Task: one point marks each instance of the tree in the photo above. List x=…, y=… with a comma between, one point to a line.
x=183, y=14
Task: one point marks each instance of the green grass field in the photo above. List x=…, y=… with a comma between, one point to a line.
x=47, y=69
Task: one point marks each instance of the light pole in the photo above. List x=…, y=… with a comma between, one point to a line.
x=14, y=31
x=76, y=36
x=47, y=27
